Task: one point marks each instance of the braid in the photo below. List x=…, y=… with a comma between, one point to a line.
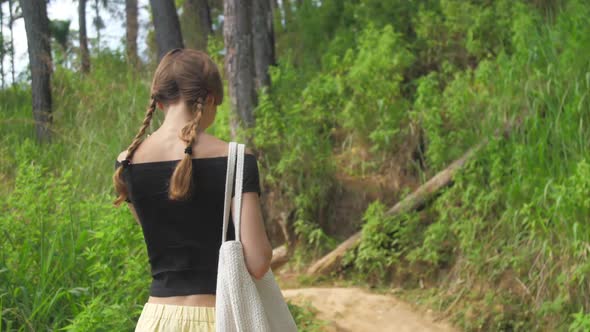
x=181, y=182
x=118, y=181
x=138, y=137
x=195, y=125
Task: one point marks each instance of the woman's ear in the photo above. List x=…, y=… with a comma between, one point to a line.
x=160, y=105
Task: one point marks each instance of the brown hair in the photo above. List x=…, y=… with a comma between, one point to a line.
x=182, y=73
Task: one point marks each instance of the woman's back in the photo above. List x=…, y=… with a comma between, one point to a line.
x=183, y=237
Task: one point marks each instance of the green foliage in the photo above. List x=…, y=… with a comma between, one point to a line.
x=60, y=31
x=97, y=116
x=305, y=317
x=37, y=250
x=581, y=322
x=297, y=153
x=15, y=123
x=308, y=35
x=64, y=257
x=384, y=240
x=375, y=111
x=518, y=207
x=314, y=241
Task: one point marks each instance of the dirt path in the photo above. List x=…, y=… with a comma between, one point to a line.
x=355, y=309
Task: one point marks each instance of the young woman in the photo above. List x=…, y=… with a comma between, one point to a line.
x=174, y=183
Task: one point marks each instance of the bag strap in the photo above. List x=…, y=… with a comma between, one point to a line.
x=238, y=196
x=229, y=175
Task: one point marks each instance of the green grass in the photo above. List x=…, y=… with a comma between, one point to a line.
x=425, y=83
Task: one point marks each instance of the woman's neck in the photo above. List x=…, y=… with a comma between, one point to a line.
x=175, y=118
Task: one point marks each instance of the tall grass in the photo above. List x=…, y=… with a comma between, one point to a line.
x=61, y=250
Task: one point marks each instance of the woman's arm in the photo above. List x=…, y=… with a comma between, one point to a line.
x=257, y=247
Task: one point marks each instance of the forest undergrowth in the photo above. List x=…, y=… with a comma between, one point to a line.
x=362, y=88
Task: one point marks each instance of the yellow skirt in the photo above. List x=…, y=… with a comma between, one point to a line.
x=157, y=317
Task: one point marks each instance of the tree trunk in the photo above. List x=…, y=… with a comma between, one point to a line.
x=205, y=15
x=131, y=31
x=11, y=26
x=239, y=62
x=196, y=24
x=263, y=40
x=84, y=56
x=39, y=47
x=167, y=26
x=98, y=24
x=2, y=50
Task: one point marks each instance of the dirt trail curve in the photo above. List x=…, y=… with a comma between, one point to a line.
x=355, y=309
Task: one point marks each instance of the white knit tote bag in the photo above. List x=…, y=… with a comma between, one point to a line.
x=244, y=303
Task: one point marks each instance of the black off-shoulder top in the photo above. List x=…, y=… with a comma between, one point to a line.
x=183, y=237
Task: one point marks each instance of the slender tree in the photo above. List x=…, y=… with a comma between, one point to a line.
x=205, y=16
x=263, y=41
x=132, y=28
x=84, y=55
x=2, y=48
x=167, y=26
x=97, y=21
x=239, y=63
x=39, y=47
x=196, y=23
x=11, y=27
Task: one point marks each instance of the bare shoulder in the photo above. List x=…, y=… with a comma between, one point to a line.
x=222, y=146
x=122, y=155
x=215, y=146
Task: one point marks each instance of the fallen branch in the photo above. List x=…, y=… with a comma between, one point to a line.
x=413, y=201
x=441, y=180
x=325, y=264
x=280, y=256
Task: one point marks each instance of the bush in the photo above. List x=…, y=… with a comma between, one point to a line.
x=67, y=260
